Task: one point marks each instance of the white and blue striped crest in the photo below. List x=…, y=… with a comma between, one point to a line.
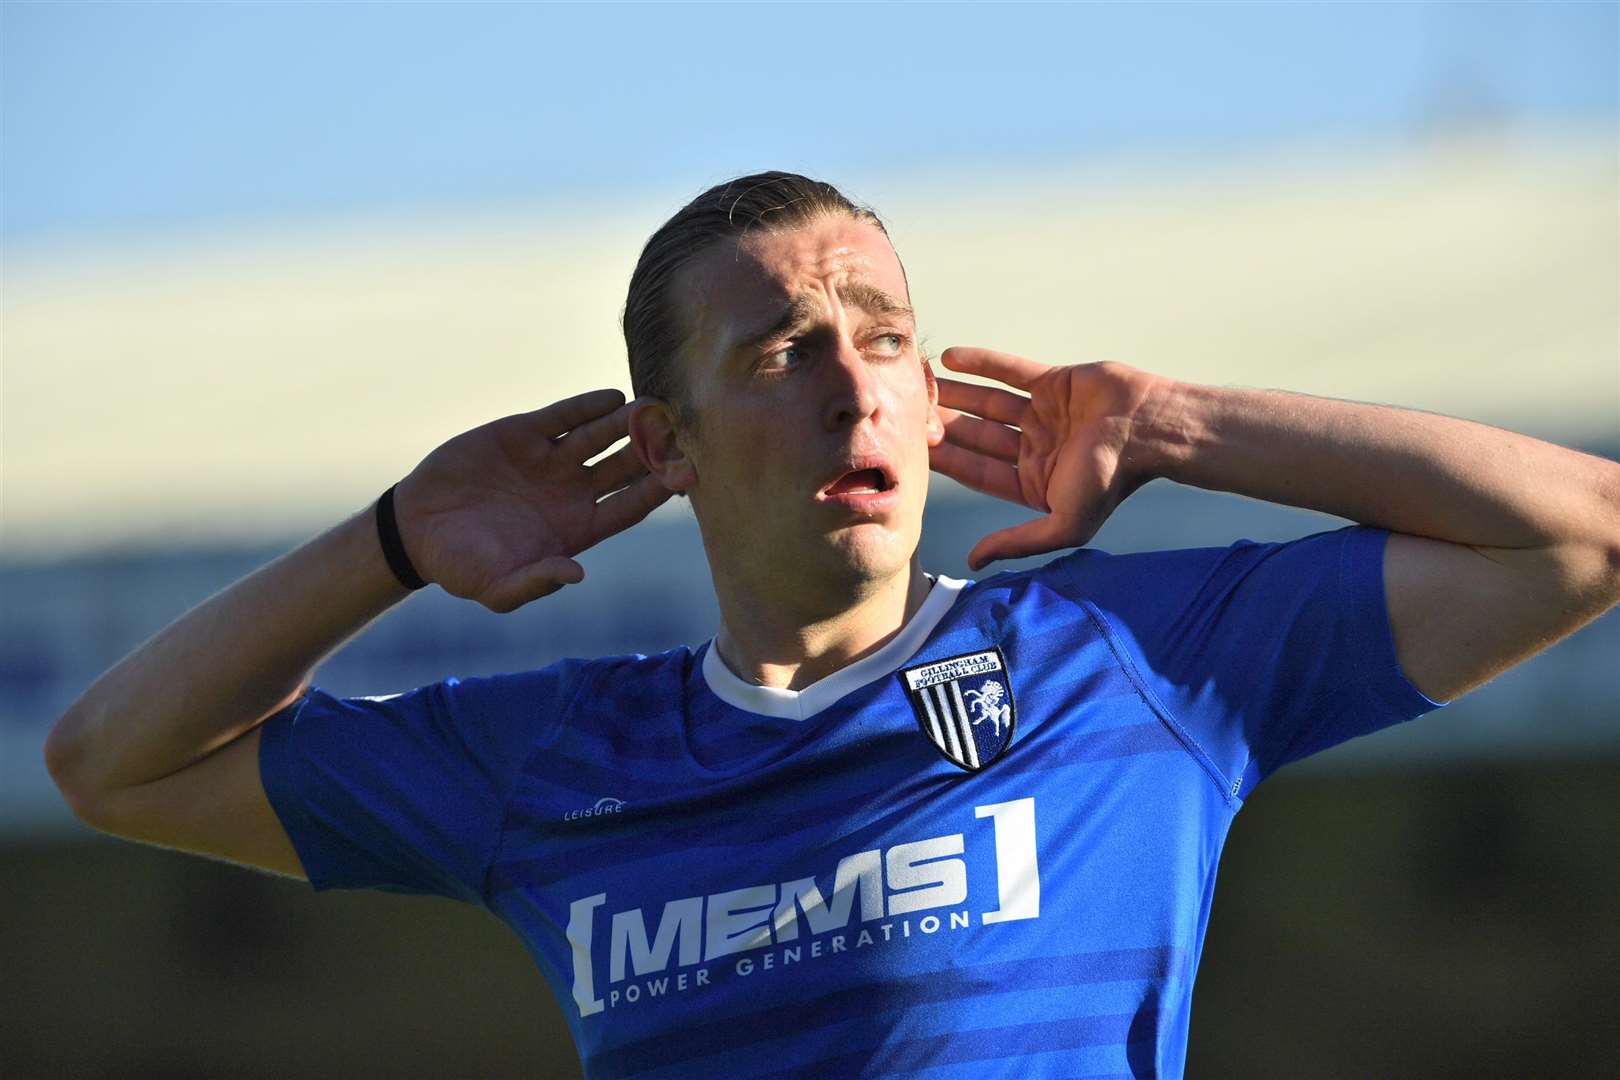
x=965, y=706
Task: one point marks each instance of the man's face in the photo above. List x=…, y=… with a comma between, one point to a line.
x=813, y=408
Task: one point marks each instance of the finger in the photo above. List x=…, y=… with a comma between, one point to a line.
x=976, y=471
x=518, y=587
x=990, y=402
x=1037, y=537
x=1002, y=367
x=616, y=470
x=969, y=432
x=569, y=413
x=594, y=436
x=623, y=509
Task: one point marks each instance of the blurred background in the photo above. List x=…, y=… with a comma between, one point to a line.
x=260, y=258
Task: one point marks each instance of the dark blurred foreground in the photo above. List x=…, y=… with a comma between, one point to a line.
x=1417, y=922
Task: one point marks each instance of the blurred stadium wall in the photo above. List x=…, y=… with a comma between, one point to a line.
x=1435, y=900
x=243, y=385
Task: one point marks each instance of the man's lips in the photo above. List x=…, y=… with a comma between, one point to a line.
x=861, y=475
x=861, y=484
x=866, y=480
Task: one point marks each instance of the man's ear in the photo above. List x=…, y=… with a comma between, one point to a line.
x=653, y=433
x=935, y=426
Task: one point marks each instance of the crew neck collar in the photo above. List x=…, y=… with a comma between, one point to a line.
x=803, y=704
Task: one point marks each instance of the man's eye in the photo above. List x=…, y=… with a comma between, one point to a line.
x=889, y=344
x=781, y=359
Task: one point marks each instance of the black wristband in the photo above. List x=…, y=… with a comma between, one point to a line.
x=393, y=547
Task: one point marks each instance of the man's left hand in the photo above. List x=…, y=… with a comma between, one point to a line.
x=1064, y=449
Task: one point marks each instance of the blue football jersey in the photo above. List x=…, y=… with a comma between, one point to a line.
x=987, y=849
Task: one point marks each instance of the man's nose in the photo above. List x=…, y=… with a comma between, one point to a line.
x=853, y=393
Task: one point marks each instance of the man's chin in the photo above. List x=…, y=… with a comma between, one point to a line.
x=871, y=549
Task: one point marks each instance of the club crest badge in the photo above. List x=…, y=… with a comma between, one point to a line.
x=965, y=706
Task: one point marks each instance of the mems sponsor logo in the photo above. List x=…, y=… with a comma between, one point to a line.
x=877, y=897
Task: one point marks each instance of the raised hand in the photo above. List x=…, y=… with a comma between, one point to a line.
x=1063, y=449
x=497, y=513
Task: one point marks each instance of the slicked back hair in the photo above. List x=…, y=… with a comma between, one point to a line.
x=654, y=331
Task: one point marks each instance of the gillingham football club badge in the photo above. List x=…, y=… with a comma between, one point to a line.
x=965, y=706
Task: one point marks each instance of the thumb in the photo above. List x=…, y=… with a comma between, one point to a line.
x=517, y=587
x=1043, y=534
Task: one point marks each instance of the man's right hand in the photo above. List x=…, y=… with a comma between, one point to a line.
x=497, y=513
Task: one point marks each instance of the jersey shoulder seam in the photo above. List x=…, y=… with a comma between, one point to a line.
x=1122, y=657
x=561, y=717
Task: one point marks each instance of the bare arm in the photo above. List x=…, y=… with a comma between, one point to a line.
x=179, y=701
x=234, y=659
x=164, y=746
x=1502, y=543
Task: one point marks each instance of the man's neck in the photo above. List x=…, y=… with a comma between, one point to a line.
x=769, y=642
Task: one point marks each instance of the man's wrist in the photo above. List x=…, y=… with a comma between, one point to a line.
x=361, y=550
x=1164, y=428
x=393, y=546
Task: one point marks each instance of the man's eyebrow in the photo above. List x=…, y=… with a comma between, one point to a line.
x=801, y=310
x=872, y=300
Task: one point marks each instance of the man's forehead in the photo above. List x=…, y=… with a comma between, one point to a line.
x=742, y=281
x=782, y=258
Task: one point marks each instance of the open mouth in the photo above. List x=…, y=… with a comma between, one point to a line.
x=860, y=482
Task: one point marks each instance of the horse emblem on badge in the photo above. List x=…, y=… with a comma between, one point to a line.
x=985, y=703
x=964, y=705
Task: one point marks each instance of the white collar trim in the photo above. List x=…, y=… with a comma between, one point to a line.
x=803, y=704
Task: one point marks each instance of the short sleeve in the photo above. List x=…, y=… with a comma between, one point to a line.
x=407, y=792
x=1262, y=653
